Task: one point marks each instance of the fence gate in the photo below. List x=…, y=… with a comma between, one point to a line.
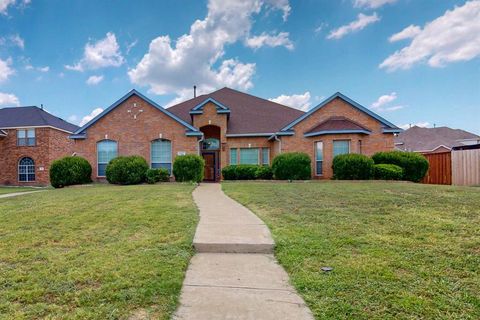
x=466, y=167
x=440, y=168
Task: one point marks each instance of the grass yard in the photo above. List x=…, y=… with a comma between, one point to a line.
x=99, y=252
x=399, y=250
x=5, y=190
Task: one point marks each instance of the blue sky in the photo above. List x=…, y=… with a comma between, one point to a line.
x=413, y=62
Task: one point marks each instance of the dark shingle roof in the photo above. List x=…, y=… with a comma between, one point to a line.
x=429, y=139
x=248, y=114
x=337, y=124
x=32, y=116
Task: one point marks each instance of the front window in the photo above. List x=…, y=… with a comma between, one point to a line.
x=266, y=156
x=211, y=144
x=233, y=156
x=249, y=156
x=26, y=137
x=106, y=151
x=26, y=170
x=161, y=154
x=341, y=147
x=319, y=158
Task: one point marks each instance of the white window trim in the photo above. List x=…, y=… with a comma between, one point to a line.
x=349, y=146
x=315, y=155
x=171, y=155
x=268, y=157
x=96, y=147
x=34, y=171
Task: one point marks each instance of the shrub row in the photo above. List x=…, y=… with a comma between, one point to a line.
x=247, y=172
x=391, y=165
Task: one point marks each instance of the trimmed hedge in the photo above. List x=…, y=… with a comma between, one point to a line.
x=352, y=167
x=69, y=171
x=188, y=168
x=127, y=170
x=414, y=165
x=292, y=166
x=264, y=173
x=247, y=172
x=385, y=171
x=156, y=175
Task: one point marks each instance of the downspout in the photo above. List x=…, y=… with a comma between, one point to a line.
x=199, y=144
x=279, y=143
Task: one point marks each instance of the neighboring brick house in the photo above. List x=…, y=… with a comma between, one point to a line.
x=30, y=139
x=230, y=127
x=434, y=140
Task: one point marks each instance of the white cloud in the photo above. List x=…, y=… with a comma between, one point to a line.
x=12, y=40
x=72, y=118
x=418, y=124
x=175, y=66
x=90, y=116
x=9, y=99
x=409, y=32
x=43, y=69
x=383, y=101
x=94, y=80
x=4, y=4
x=362, y=21
x=130, y=46
x=5, y=70
x=453, y=37
x=297, y=101
x=281, y=39
x=101, y=54
x=373, y=4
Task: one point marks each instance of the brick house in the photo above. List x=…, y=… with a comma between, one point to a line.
x=30, y=139
x=230, y=127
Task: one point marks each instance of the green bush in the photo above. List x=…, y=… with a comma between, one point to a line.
x=188, y=168
x=352, y=166
x=247, y=172
x=127, y=170
x=157, y=175
x=414, y=165
x=69, y=171
x=264, y=173
x=385, y=171
x=292, y=166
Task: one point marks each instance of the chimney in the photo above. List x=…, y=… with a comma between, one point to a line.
x=41, y=106
x=194, y=91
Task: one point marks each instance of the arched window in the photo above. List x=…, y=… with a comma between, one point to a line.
x=161, y=154
x=26, y=170
x=211, y=144
x=106, y=151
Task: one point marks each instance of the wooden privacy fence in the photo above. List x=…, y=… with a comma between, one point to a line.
x=466, y=167
x=440, y=168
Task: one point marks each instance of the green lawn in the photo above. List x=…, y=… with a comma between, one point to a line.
x=399, y=250
x=98, y=252
x=5, y=190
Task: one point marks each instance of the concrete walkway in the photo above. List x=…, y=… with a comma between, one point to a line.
x=8, y=195
x=234, y=275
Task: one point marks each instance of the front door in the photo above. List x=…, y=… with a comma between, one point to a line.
x=209, y=171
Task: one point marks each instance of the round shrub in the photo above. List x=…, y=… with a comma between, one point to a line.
x=385, y=171
x=352, y=166
x=69, y=171
x=264, y=173
x=230, y=172
x=414, y=165
x=188, y=168
x=292, y=166
x=127, y=170
x=246, y=171
x=157, y=175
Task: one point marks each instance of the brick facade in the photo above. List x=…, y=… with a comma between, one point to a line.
x=50, y=144
x=134, y=135
x=134, y=123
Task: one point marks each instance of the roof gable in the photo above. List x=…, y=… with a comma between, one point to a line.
x=249, y=115
x=191, y=130
x=198, y=109
x=389, y=127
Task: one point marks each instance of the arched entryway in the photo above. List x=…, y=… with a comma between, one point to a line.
x=210, y=150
